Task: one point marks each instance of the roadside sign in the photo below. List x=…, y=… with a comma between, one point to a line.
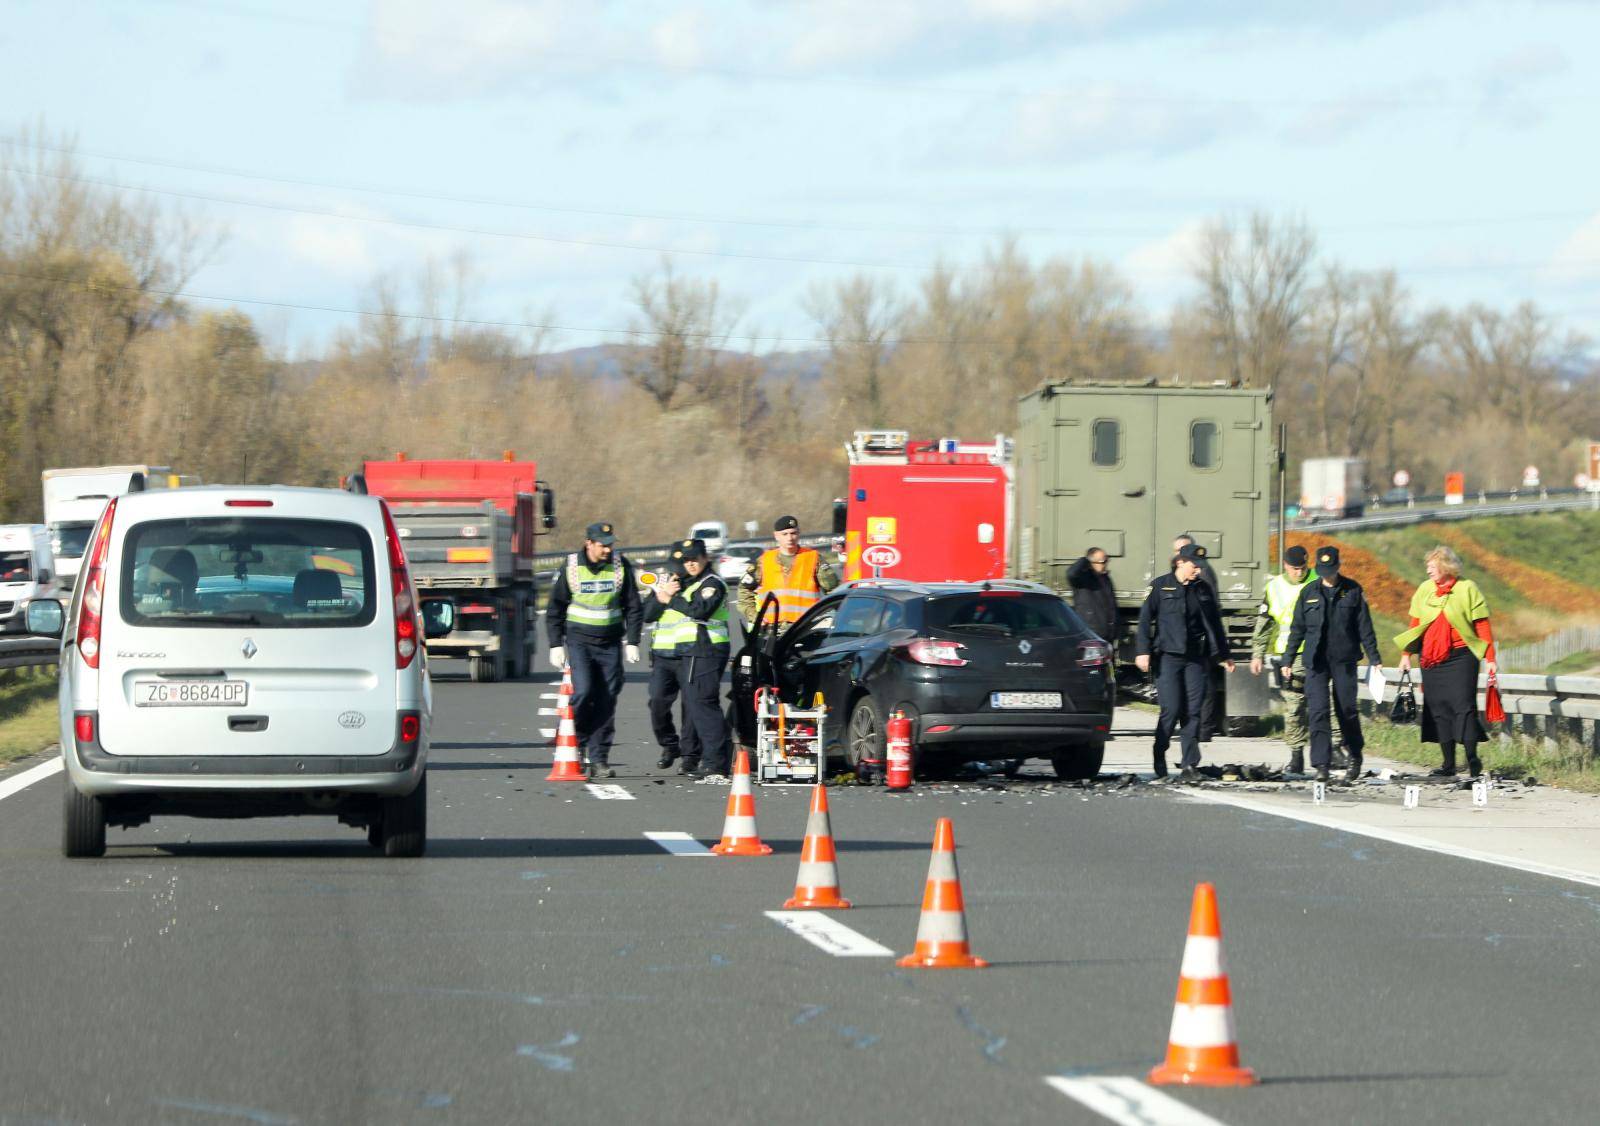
x=1401, y=478
x=1530, y=477
x=1455, y=488
x=1594, y=463
x=880, y=556
x=880, y=529
x=1582, y=481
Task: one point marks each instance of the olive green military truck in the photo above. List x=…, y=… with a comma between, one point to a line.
x=1127, y=468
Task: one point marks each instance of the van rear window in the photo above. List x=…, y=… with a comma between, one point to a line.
x=262, y=572
x=1002, y=613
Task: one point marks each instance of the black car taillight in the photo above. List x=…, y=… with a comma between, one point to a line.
x=932, y=651
x=1093, y=654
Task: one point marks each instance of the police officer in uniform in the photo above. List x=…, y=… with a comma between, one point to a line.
x=1180, y=631
x=1266, y=651
x=1332, y=621
x=799, y=576
x=689, y=650
x=593, y=620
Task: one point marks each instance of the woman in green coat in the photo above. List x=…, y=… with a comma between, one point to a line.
x=1450, y=632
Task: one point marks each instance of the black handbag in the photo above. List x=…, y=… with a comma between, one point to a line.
x=1405, y=701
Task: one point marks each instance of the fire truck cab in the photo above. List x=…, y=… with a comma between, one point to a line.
x=927, y=510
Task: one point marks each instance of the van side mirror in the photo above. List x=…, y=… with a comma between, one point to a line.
x=45, y=617
x=438, y=618
x=547, y=507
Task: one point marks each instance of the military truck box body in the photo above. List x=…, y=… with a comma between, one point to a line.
x=1126, y=469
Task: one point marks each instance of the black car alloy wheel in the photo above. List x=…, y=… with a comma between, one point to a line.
x=865, y=737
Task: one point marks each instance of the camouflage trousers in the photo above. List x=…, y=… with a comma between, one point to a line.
x=1292, y=701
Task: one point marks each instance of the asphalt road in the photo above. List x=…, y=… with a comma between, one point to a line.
x=547, y=962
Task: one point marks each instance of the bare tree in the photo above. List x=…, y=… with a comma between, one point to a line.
x=858, y=316
x=683, y=328
x=1253, y=301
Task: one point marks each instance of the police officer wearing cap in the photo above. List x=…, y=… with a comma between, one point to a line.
x=1267, y=645
x=1180, y=632
x=593, y=620
x=688, y=651
x=1332, y=621
x=799, y=576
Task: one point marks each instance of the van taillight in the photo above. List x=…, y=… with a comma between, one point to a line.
x=94, y=589
x=83, y=727
x=410, y=728
x=247, y=504
x=406, y=628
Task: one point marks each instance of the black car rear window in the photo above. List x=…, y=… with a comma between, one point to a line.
x=1001, y=613
x=263, y=572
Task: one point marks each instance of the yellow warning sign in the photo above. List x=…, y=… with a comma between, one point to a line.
x=880, y=529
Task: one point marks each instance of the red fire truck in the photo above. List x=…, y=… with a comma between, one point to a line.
x=927, y=510
x=469, y=529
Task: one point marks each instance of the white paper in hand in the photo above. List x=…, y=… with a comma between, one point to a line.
x=1375, y=682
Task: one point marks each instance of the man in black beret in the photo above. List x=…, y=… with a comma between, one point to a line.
x=1181, y=634
x=799, y=576
x=1332, y=621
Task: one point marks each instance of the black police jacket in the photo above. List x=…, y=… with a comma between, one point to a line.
x=1333, y=623
x=1169, y=612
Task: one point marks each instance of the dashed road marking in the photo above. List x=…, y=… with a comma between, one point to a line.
x=679, y=844
x=548, y=732
x=549, y=711
x=829, y=934
x=1129, y=1102
x=1393, y=836
x=607, y=792
x=29, y=777
x=549, y=695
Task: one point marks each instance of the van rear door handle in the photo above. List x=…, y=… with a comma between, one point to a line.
x=247, y=723
x=1136, y=491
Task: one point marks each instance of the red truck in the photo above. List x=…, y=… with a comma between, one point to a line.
x=927, y=510
x=469, y=529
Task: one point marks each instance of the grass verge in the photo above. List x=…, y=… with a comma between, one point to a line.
x=1560, y=763
x=27, y=712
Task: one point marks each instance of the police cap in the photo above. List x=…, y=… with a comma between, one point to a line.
x=1327, y=561
x=1192, y=552
x=601, y=532
x=690, y=549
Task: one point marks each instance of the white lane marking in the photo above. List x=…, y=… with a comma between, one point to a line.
x=548, y=732
x=680, y=844
x=1395, y=836
x=549, y=711
x=829, y=934
x=29, y=777
x=549, y=695
x=607, y=792
x=1129, y=1102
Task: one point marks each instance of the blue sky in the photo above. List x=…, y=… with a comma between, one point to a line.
x=564, y=146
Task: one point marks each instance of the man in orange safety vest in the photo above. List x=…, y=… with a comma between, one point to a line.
x=799, y=576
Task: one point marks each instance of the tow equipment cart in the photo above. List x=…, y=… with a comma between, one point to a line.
x=788, y=740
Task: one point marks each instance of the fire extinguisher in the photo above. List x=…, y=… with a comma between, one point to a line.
x=898, y=729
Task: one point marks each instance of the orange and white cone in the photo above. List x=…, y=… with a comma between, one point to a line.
x=564, y=694
x=817, y=885
x=1202, y=1048
x=942, y=931
x=739, y=837
x=568, y=766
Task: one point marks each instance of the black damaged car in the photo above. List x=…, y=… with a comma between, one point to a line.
x=992, y=670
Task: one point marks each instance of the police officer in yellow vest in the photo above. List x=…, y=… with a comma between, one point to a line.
x=799, y=576
x=688, y=652
x=593, y=619
x=1266, y=651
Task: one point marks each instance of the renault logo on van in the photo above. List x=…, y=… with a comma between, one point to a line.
x=248, y=648
x=1024, y=647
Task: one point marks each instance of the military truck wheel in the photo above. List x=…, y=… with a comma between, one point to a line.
x=1078, y=762
x=485, y=670
x=83, y=823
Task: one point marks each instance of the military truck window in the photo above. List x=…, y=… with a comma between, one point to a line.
x=1107, y=439
x=1205, y=445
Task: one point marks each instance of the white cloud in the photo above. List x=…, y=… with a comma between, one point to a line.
x=331, y=246
x=1577, y=259
x=1170, y=258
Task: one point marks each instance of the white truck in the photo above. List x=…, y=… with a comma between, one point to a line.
x=713, y=532
x=1332, y=488
x=74, y=499
x=26, y=572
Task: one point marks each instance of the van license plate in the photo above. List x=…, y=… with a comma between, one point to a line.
x=190, y=693
x=1024, y=699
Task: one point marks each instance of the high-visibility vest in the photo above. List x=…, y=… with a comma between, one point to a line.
x=596, y=595
x=1282, y=594
x=674, y=629
x=797, y=592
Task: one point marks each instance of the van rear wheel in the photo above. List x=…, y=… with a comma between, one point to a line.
x=485, y=670
x=83, y=823
x=404, y=827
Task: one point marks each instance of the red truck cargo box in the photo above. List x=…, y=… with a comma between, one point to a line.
x=464, y=481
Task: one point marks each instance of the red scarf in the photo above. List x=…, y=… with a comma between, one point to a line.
x=1440, y=636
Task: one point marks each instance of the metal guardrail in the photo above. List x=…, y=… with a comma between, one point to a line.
x=1420, y=512
x=27, y=651
x=1551, y=707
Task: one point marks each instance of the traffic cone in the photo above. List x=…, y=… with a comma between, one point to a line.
x=739, y=836
x=942, y=931
x=1201, y=1048
x=817, y=885
x=568, y=766
x=564, y=694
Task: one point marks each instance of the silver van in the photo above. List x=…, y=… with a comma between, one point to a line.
x=239, y=652
x=26, y=572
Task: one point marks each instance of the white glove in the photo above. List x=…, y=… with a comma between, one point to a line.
x=558, y=656
x=632, y=653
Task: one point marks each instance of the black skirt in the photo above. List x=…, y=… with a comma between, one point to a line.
x=1450, y=700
